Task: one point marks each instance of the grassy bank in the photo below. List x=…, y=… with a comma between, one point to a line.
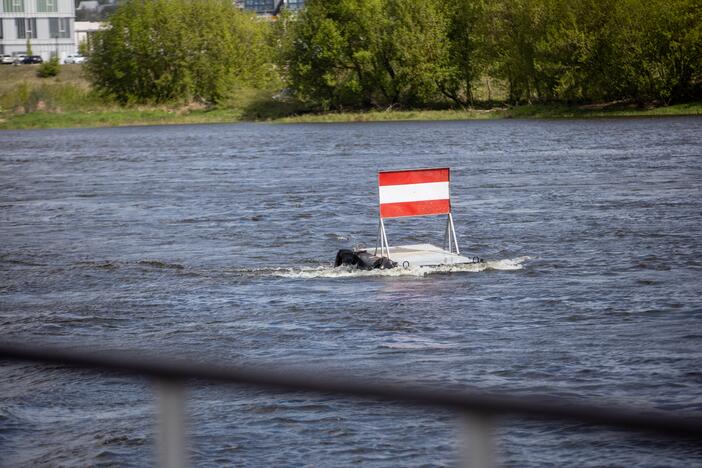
x=163, y=115
x=533, y=111
x=27, y=101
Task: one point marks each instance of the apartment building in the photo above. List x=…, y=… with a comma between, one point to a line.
x=272, y=7
x=47, y=26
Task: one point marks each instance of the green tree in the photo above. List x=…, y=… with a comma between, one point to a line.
x=367, y=52
x=660, y=49
x=342, y=53
x=617, y=49
x=328, y=53
x=414, y=51
x=519, y=25
x=469, y=49
x=573, y=50
x=166, y=50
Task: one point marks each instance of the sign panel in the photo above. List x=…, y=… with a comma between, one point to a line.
x=417, y=192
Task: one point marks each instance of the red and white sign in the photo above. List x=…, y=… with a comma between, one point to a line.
x=417, y=192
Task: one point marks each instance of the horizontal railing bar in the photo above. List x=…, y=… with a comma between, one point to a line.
x=542, y=408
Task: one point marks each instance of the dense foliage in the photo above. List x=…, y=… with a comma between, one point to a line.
x=178, y=50
x=386, y=53
x=354, y=53
x=364, y=52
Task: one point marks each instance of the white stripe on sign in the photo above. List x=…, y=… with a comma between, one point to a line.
x=414, y=192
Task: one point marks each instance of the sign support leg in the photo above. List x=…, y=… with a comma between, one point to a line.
x=378, y=240
x=384, y=239
x=453, y=232
x=447, y=237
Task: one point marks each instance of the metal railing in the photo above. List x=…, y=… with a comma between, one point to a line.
x=478, y=411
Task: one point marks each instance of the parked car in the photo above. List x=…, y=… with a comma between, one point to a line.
x=31, y=59
x=7, y=59
x=74, y=58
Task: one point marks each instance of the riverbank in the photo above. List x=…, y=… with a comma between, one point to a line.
x=531, y=111
x=169, y=116
x=66, y=101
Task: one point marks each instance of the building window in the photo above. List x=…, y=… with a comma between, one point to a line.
x=65, y=28
x=262, y=6
x=294, y=4
x=13, y=6
x=21, y=31
x=47, y=6
x=59, y=28
x=26, y=28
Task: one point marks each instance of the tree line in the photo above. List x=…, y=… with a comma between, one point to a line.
x=342, y=54
x=161, y=51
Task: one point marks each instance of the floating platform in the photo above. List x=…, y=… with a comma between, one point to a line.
x=409, y=193
x=419, y=255
x=401, y=256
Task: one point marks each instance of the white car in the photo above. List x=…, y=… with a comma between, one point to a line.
x=18, y=58
x=7, y=59
x=74, y=58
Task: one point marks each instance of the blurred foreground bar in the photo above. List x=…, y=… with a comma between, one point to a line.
x=170, y=396
x=477, y=410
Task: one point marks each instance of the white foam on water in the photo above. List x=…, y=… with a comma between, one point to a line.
x=407, y=342
x=350, y=272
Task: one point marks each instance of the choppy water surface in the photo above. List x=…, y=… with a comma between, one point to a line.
x=216, y=242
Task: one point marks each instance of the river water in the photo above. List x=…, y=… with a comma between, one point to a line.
x=215, y=242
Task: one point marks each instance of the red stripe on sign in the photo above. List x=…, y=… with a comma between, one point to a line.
x=416, y=176
x=417, y=208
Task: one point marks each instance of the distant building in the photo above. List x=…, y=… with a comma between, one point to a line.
x=84, y=32
x=89, y=5
x=270, y=7
x=92, y=10
x=294, y=4
x=263, y=7
x=46, y=25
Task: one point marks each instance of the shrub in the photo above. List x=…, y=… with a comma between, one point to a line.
x=49, y=69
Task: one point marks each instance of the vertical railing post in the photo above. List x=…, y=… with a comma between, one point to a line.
x=476, y=441
x=171, y=448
